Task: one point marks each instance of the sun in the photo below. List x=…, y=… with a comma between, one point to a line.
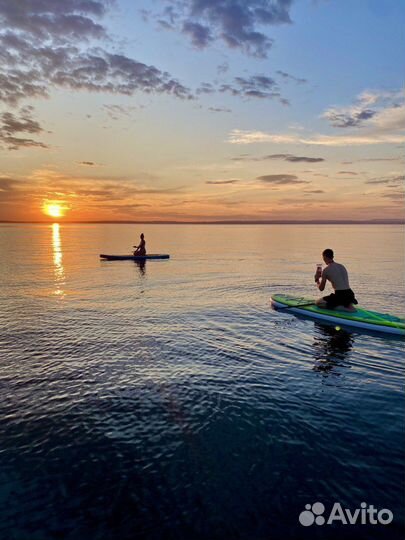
x=54, y=210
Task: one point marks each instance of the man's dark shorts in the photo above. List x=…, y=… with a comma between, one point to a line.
x=340, y=298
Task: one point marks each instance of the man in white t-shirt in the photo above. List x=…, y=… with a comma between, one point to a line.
x=343, y=297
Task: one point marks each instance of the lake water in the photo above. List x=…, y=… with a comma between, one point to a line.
x=170, y=401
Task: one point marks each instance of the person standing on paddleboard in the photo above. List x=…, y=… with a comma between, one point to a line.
x=141, y=249
x=343, y=297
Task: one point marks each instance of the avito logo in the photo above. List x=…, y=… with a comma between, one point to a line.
x=366, y=514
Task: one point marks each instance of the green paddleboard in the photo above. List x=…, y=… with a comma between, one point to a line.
x=362, y=318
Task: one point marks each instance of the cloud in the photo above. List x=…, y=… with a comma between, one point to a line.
x=206, y=88
x=15, y=191
x=287, y=157
x=347, y=172
x=200, y=35
x=238, y=136
x=7, y=186
x=12, y=125
x=221, y=182
x=288, y=77
x=45, y=44
x=145, y=14
x=297, y=201
x=100, y=71
x=87, y=163
x=45, y=18
x=348, y=118
x=82, y=192
x=396, y=196
x=389, y=120
x=395, y=180
x=381, y=159
x=385, y=125
x=314, y=191
x=121, y=208
x=256, y=86
x=223, y=68
x=295, y=159
x=233, y=22
x=281, y=179
x=371, y=160
x=115, y=112
x=219, y=109
x=384, y=111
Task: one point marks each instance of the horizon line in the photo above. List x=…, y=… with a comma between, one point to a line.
x=216, y=222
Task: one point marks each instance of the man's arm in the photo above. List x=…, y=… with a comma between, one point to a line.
x=322, y=283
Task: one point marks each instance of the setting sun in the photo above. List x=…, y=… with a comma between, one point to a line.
x=53, y=210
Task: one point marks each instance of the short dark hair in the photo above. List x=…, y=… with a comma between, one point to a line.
x=328, y=253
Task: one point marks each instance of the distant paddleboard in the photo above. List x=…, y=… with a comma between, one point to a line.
x=362, y=318
x=133, y=257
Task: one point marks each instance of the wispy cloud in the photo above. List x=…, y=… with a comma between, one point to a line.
x=256, y=86
x=395, y=180
x=391, y=119
x=223, y=68
x=12, y=125
x=371, y=160
x=286, y=157
x=381, y=159
x=219, y=109
x=121, y=209
x=8, y=188
x=221, y=182
x=352, y=117
x=16, y=191
x=386, y=125
x=397, y=196
x=238, y=136
x=115, y=112
x=281, y=179
x=253, y=87
x=206, y=88
x=233, y=22
x=288, y=77
x=383, y=113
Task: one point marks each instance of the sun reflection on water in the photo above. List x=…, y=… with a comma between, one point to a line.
x=58, y=261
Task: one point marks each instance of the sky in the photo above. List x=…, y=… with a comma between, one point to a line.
x=202, y=110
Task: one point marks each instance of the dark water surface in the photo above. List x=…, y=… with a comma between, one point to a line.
x=170, y=402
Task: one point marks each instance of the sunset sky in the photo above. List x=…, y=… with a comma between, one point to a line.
x=202, y=109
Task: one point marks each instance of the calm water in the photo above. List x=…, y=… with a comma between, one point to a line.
x=171, y=402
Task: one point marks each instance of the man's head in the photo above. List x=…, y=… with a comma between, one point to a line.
x=327, y=255
x=142, y=236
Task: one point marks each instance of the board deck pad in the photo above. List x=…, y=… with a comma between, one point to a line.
x=361, y=318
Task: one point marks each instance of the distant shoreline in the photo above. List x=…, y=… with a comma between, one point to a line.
x=229, y=222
